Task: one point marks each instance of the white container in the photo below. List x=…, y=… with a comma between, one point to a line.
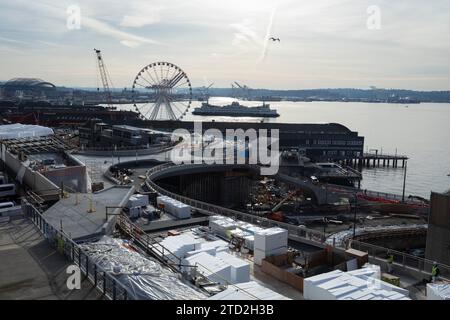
x=249, y=241
x=138, y=200
x=258, y=256
x=271, y=238
x=240, y=269
x=135, y=212
x=209, y=266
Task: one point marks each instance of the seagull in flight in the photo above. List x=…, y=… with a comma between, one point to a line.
x=274, y=39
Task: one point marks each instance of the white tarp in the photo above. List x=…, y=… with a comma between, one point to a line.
x=360, y=284
x=438, y=291
x=248, y=291
x=18, y=130
x=145, y=277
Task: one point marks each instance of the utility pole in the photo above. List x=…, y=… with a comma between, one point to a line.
x=404, y=180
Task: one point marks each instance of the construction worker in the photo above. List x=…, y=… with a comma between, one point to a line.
x=434, y=272
x=390, y=261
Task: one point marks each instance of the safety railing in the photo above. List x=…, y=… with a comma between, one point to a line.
x=401, y=259
x=101, y=279
x=147, y=242
x=302, y=232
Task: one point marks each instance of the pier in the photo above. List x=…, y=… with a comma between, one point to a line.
x=369, y=160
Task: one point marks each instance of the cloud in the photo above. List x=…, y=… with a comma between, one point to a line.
x=268, y=34
x=59, y=13
x=125, y=38
x=143, y=14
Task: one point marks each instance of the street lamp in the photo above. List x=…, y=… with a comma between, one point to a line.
x=354, y=216
x=404, y=180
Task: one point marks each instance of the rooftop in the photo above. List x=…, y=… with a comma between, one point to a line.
x=84, y=215
x=28, y=82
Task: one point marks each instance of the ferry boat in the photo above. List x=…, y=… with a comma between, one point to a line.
x=235, y=109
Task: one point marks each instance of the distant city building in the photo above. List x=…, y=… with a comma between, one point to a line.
x=438, y=235
x=96, y=134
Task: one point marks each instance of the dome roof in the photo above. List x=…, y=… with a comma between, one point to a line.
x=28, y=82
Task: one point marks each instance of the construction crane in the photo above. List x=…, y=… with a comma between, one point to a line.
x=204, y=91
x=104, y=76
x=245, y=90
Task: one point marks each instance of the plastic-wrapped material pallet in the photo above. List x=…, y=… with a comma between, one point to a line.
x=221, y=227
x=137, y=200
x=269, y=239
x=252, y=229
x=361, y=284
x=180, y=245
x=209, y=266
x=251, y=290
x=176, y=208
x=211, y=251
x=181, y=210
x=217, y=244
x=240, y=269
x=438, y=291
x=239, y=233
x=135, y=212
x=249, y=241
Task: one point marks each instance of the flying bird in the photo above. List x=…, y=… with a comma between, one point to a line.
x=274, y=39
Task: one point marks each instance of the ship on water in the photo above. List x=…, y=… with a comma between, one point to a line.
x=235, y=109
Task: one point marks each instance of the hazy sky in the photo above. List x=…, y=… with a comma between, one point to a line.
x=324, y=43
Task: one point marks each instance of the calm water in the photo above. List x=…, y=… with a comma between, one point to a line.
x=421, y=131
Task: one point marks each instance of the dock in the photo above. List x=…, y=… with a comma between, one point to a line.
x=369, y=160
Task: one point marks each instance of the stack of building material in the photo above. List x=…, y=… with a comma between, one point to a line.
x=17, y=130
x=438, y=291
x=269, y=242
x=361, y=284
x=137, y=200
x=209, y=266
x=221, y=225
x=240, y=269
x=251, y=290
x=179, y=246
x=174, y=207
x=239, y=233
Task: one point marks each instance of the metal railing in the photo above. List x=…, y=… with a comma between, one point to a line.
x=401, y=259
x=297, y=231
x=101, y=279
x=148, y=242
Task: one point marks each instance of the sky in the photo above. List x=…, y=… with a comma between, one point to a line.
x=323, y=43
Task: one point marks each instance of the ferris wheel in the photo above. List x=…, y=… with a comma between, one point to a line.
x=162, y=91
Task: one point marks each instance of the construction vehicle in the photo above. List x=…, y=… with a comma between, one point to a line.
x=277, y=215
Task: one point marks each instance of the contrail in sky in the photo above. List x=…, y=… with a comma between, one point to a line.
x=268, y=34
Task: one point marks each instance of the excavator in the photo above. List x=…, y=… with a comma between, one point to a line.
x=277, y=215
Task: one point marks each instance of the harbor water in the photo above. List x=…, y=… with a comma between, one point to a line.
x=420, y=131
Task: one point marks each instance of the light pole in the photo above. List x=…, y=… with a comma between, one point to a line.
x=354, y=216
x=404, y=181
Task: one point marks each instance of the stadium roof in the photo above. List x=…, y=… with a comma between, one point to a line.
x=28, y=82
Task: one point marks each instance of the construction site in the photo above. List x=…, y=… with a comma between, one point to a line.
x=103, y=193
